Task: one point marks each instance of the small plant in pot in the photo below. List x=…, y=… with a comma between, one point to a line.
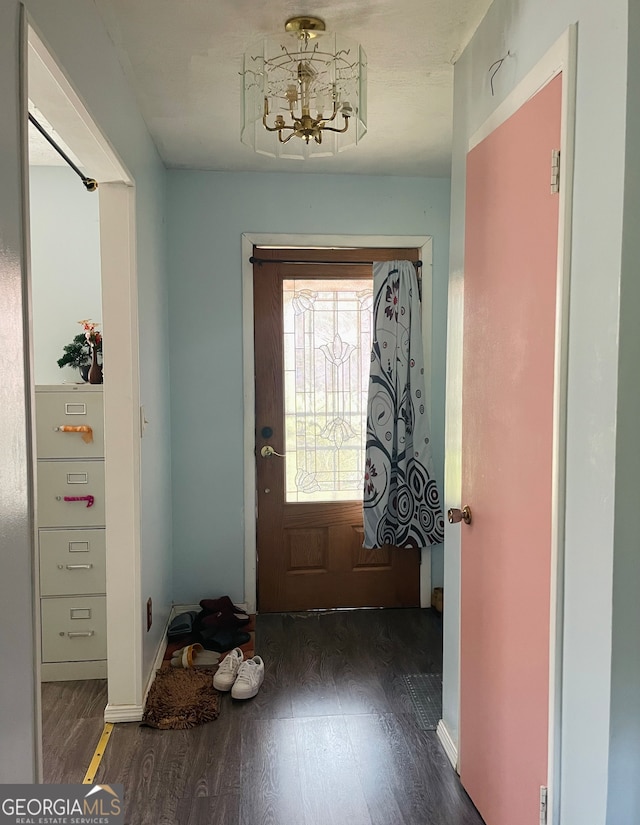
x=79, y=353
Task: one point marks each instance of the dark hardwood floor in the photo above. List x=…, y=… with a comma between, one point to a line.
x=331, y=738
x=72, y=721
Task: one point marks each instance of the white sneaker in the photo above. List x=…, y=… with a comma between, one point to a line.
x=226, y=673
x=250, y=677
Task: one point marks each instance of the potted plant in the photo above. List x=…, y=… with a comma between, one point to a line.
x=79, y=353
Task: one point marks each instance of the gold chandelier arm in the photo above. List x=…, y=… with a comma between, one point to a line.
x=288, y=138
x=333, y=116
x=280, y=124
x=339, y=131
x=276, y=128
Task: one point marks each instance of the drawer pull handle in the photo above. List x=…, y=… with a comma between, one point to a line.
x=87, y=432
x=75, y=408
x=79, y=566
x=76, y=634
x=88, y=499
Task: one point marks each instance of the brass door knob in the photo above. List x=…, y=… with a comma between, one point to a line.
x=455, y=515
x=267, y=451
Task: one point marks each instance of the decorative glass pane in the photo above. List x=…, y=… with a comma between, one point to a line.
x=327, y=352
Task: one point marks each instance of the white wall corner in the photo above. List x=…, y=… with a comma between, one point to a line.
x=122, y=437
x=133, y=713
x=446, y=740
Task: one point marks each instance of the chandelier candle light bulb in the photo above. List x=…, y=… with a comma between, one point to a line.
x=286, y=78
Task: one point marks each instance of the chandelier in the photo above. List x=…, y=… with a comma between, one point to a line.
x=304, y=92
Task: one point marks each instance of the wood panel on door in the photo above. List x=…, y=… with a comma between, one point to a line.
x=310, y=553
x=507, y=463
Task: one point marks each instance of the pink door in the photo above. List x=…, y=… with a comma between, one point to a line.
x=508, y=383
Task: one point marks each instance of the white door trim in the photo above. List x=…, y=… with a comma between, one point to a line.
x=561, y=58
x=122, y=429
x=249, y=239
x=52, y=93
x=58, y=101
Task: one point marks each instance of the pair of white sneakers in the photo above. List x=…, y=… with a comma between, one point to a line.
x=241, y=676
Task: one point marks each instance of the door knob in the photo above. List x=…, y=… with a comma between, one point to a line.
x=267, y=451
x=455, y=515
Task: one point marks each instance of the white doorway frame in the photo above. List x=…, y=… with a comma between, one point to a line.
x=249, y=239
x=51, y=92
x=561, y=58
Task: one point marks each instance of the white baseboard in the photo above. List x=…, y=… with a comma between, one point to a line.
x=448, y=744
x=177, y=609
x=123, y=713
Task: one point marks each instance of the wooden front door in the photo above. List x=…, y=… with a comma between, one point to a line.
x=312, y=355
x=508, y=397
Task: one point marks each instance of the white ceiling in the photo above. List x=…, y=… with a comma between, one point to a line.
x=184, y=57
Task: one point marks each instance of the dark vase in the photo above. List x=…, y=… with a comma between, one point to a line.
x=84, y=372
x=95, y=370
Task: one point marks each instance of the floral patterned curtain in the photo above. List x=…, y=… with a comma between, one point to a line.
x=401, y=500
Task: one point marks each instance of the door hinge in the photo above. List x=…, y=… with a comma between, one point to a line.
x=543, y=805
x=555, y=171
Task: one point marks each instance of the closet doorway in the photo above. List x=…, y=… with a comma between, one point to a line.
x=52, y=97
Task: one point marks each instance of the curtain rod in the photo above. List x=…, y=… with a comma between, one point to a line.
x=254, y=260
x=90, y=184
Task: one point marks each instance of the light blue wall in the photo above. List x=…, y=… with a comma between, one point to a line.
x=208, y=212
x=65, y=266
x=527, y=28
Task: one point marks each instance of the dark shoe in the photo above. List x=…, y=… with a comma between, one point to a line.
x=222, y=621
x=182, y=625
x=223, y=604
x=222, y=640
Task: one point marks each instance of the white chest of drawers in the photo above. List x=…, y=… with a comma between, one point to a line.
x=71, y=531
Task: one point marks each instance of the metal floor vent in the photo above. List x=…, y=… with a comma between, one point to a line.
x=425, y=690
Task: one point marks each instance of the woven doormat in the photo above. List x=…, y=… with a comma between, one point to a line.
x=181, y=699
x=425, y=690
